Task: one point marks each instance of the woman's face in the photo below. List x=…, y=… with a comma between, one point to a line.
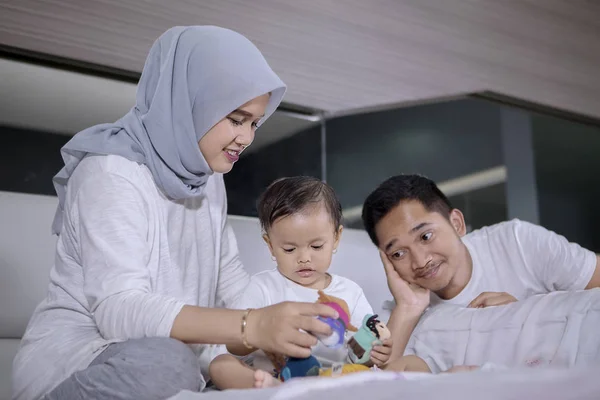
x=223, y=143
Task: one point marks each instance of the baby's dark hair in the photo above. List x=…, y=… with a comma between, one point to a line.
x=288, y=196
x=372, y=324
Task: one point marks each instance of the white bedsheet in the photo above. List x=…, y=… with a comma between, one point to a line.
x=540, y=383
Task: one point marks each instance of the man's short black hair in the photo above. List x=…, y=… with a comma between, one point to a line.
x=401, y=188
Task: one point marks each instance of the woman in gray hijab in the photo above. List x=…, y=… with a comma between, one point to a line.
x=145, y=259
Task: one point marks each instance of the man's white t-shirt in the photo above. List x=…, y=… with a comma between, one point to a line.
x=522, y=259
x=515, y=257
x=271, y=287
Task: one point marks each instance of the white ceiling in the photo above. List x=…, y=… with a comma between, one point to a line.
x=65, y=102
x=345, y=54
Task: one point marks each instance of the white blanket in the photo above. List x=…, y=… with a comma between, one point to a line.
x=560, y=329
x=543, y=383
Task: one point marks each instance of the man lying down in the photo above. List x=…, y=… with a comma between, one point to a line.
x=559, y=329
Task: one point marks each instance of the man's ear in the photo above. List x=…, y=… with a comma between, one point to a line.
x=457, y=220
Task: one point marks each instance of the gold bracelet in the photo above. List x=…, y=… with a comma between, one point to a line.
x=244, y=324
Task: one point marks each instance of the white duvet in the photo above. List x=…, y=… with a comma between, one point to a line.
x=558, y=332
x=561, y=329
x=543, y=383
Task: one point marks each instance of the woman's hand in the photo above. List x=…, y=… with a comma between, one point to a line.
x=381, y=354
x=282, y=328
x=407, y=295
x=489, y=299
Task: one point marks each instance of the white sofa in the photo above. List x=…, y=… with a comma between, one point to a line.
x=27, y=253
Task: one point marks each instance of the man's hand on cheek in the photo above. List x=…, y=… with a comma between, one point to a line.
x=407, y=295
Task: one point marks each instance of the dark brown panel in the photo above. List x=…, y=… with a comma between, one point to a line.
x=337, y=55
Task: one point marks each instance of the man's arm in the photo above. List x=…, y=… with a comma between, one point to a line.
x=401, y=325
x=595, y=281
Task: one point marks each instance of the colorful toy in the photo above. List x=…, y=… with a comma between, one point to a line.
x=304, y=367
x=371, y=333
x=299, y=367
x=344, y=369
x=338, y=326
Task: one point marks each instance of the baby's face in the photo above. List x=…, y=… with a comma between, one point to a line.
x=303, y=245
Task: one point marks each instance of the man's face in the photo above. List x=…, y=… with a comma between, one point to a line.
x=424, y=246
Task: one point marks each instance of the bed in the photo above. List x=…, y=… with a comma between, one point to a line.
x=529, y=383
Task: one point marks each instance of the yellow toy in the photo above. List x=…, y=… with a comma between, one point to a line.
x=344, y=369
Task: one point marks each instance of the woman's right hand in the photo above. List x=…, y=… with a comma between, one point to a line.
x=282, y=328
x=406, y=295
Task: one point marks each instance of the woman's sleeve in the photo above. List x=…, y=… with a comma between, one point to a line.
x=113, y=222
x=233, y=278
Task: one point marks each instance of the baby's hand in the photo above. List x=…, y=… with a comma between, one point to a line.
x=381, y=354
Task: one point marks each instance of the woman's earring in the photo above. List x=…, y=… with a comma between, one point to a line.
x=273, y=258
x=334, y=251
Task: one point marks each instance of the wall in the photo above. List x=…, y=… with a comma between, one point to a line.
x=29, y=159
x=482, y=207
x=442, y=141
x=567, y=161
x=299, y=154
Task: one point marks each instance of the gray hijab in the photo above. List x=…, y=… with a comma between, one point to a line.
x=193, y=77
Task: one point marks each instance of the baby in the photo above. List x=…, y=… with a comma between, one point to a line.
x=301, y=220
x=558, y=329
